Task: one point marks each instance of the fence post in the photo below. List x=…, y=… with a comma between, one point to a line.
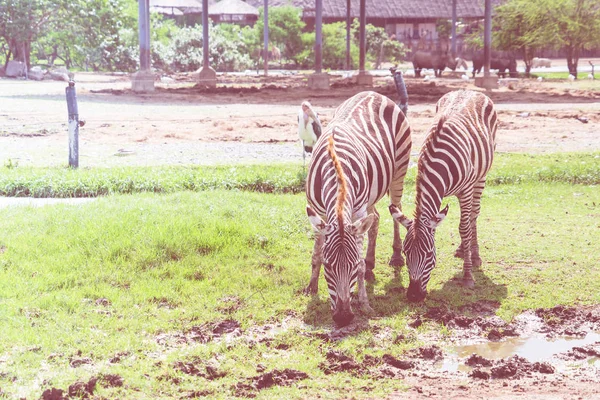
x=73, y=125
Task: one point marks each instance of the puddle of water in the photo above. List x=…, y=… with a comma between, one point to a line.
x=536, y=348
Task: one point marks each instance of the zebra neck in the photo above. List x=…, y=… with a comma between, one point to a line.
x=428, y=204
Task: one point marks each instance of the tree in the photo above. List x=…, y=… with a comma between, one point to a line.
x=577, y=26
x=22, y=21
x=519, y=27
x=380, y=47
x=285, y=30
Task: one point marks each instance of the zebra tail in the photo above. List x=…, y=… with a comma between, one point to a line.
x=342, y=189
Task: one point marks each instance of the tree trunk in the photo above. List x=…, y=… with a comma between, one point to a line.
x=572, y=60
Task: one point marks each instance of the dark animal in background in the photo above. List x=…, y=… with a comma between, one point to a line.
x=435, y=60
x=499, y=60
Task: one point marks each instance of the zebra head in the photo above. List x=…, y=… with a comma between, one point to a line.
x=342, y=257
x=419, y=249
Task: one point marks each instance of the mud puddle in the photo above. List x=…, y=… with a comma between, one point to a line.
x=533, y=349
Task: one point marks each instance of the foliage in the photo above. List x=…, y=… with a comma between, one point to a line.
x=380, y=47
x=17, y=181
x=443, y=27
x=227, y=52
x=285, y=31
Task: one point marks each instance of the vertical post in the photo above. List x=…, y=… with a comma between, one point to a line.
x=73, y=125
x=453, y=28
x=266, y=37
x=144, y=34
x=318, y=36
x=487, y=38
x=348, y=24
x=143, y=80
x=205, y=44
x=362, y=40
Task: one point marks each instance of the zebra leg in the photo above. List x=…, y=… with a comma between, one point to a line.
x=363, y=299
x=371, y=244
x=396, y=190
x=313, y=286
x=465, y=229
x=475, y=258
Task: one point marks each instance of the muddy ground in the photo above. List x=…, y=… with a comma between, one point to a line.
x=252, y=119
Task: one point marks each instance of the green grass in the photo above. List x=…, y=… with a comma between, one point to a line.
x=579, y=168
x=560, y=75
x=169, y=262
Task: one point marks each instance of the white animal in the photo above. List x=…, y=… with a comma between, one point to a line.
x=409, y=72
x=464, y=77
x=428, y=78
x=309, y=128
x=571, y=77
x=539, y=79
x=541, y=62
x=590, y=76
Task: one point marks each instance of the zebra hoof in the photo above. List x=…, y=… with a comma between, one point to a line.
x=397, y=261
x=476, y=261
x=468, y=283
x=310, y=290
x=367, y=310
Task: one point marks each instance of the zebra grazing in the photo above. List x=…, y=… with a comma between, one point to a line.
x=454, y=160
x=362, y=155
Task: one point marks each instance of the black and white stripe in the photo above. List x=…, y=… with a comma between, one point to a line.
x=369, y=140
x=455, y=159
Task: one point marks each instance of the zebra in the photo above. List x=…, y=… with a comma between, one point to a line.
x=455, y=158
x=362, y=155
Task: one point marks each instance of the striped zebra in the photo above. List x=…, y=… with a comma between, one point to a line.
x=362, y=155
x=455, y=158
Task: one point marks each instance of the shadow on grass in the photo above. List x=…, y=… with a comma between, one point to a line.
x=486, y=297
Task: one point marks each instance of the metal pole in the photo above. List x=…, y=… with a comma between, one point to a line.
x=73, y=125
x=318, y=36
x=144, y=33
x=348, y=24
x=487, y=38
x=362, y=37
x=453, y=28
x=205, y=48
x=266, y=38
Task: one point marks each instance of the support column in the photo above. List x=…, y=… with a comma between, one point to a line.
x=453, y=29
x=488, y=82
x=363, y=78
x=348, y=38
x=206, y=75
x=266, y=37
x=143, y=80
x=318, y=80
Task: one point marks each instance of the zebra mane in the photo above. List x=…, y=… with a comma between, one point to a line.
x=342, y=189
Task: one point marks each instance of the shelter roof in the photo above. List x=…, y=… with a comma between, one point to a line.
x=232, y=7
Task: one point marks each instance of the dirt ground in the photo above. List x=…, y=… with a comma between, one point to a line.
x=252, y=119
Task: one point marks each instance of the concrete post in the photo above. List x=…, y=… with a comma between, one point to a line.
x=454, y=28
x=318, y=80
x=143, y=80
x=363, y=77
x=206, y=75
x=73, y=125
x=487, y=38
x=266, y=37
x=348, y=25
x=318, y=36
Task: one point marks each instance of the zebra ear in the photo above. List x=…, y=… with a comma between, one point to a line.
x=317, y=222
x=363, y=224
x=399, y=217
x=437, y=220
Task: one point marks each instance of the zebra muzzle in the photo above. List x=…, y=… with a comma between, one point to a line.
x=415, y=293
x=342, y=315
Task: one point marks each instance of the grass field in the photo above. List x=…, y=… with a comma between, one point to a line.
x=118, y=287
